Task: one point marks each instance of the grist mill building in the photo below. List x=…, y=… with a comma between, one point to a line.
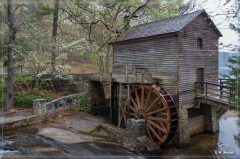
x=166, y=72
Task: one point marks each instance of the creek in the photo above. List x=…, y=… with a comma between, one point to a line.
x=27, y=142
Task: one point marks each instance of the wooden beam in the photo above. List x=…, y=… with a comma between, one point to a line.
x=119, y=104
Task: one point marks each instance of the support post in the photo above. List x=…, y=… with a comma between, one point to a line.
x=134, y=73
x=119, y=105
x=221, y=88
x=101, y=77
x=126, y=74
x=229, y=100
x=128, y=107
x=205, y=92
x=111, y=100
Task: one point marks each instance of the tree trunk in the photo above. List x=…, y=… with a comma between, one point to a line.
x=54, y=35
x=12, y=34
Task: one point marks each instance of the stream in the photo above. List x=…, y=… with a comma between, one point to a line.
x=28, y=143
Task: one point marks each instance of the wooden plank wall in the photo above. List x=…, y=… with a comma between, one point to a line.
x=190, y=58
x=158, y=55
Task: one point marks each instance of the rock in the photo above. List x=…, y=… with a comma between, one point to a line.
x=66, y=136
x=146, y=145
x=83, y=123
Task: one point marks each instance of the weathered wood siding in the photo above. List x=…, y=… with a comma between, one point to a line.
x=158, y=55
x=190, y=58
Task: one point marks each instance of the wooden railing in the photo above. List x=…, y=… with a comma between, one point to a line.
x=221, y=93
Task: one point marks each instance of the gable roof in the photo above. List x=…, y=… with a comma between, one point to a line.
x=171, y=25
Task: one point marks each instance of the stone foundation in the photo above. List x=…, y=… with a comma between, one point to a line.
x=210, y=117
x=134, y=129
x=96, y=99
x=196, y=124
x=182, y=136
x=133, y=137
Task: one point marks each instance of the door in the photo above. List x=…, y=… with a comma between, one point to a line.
x=200, y=78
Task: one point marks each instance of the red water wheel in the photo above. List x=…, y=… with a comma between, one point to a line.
x=156, y=106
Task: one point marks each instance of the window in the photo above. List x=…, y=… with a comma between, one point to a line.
x=199, y=43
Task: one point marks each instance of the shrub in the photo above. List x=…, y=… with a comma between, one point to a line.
x=82, y=106
x=23, y=99
x=49, y=97
x=46, y=95
x=23, y=80
x=85, y=109
x=83, y=99
x=64, y=93
x=3, y=90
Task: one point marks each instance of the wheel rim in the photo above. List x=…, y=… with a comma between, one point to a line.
x=156, y=106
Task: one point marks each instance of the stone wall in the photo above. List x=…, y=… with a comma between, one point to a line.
x=72, y=83
x=18, y=122
x=210, y=117
x=196, y=124
x=182, y=136
x=41, y=107
x=96, y=99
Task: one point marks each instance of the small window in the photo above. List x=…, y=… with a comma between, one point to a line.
x=199, y=43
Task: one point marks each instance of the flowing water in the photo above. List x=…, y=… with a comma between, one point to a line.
x=208, y=145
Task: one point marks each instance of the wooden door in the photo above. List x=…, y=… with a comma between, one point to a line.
x=200, y=78
x=200, y=74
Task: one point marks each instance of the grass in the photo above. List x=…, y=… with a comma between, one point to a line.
x=94, y=131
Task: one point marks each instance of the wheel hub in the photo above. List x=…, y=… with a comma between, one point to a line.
x=142, y=114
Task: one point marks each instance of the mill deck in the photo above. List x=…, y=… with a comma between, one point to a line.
x=214, y=94
x=136, y=78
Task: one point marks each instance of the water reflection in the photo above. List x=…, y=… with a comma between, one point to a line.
x=218, y=145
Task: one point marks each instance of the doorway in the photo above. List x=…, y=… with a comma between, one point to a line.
x=200, y=78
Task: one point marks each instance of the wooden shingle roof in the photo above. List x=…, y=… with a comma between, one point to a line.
x=164, y=26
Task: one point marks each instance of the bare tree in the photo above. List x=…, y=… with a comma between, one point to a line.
x=54, y=34
x=11, y=21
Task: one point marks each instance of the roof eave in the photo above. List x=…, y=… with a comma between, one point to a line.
x=212, y=23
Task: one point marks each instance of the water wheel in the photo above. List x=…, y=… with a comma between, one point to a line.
x=156, y=106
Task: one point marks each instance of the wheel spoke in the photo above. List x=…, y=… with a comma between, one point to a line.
x=148, y=132
x=153, y=131
x=153, y=103
x=161, y=124
x=125, y=119
x=135, y=111
x=156, y=111
x=142, y=97
x=137, y=97
x=134, y=103
x=149, y=94
x=158, y=127
x=158, y=119
x=132, y=114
